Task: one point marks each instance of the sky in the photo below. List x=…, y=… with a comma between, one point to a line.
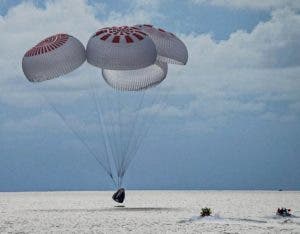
x=231, y=119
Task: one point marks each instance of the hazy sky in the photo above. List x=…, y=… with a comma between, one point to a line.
x=232, y=119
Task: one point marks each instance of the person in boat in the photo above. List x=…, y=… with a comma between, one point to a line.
x=119, y=196
x=283, y=212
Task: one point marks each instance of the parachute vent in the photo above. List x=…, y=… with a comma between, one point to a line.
x=47, y=45
x=122, y=34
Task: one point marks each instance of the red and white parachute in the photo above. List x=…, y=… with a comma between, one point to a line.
x=120, y=48
x=170, y=49
x=52, y=57
x=132, y=58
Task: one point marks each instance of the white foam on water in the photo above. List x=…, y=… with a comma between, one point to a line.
x=148, y=212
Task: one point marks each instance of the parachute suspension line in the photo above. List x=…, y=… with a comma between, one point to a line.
x=107, y=130
x=137, y=115
x=132, y=130
x=145, y=133
x=117, y=132
x=114, y=117
x=79, y=138
x=101, y=127
x=110, y=132
x=140, y=123
x=151, y=123
x=139, y=134
x=124, y=125
x=120, y=135
x=121, y=128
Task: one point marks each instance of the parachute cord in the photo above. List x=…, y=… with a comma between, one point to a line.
x=116, y=136
x=110, y=133
x=131, y=132
x=80, y=138
x=137, y=119
x=151, y=123
x=139, y=144
x=106, y=131
x=138, y=134
x=120, y=131
x=134, y=153
x=100, y=124
x=119, y=181
x=124, y=134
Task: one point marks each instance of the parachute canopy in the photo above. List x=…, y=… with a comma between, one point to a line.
x=170, y=49
x=134, y=80
x=54, y=56
x=121, y=48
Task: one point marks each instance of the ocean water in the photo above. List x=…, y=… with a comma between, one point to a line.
x=149, y=212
